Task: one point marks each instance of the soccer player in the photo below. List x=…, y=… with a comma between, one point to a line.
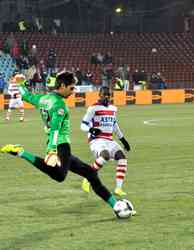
x=55, y=116
x=100, y=122
x=15, y=100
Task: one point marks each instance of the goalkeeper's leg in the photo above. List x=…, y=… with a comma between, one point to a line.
x=79, y=167
x=57, y=173
x=103, y=157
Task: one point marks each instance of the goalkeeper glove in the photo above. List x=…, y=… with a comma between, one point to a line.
x=20, y=79
x=51, y=159
x=95, y=131
x=125, y=144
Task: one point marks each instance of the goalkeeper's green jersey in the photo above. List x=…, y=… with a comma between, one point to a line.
x=54, y=113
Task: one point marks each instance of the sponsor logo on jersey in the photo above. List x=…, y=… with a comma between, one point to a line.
x=61, y=111
x=104, y=112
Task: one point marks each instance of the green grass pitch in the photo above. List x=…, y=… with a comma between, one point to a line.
x=38, y=213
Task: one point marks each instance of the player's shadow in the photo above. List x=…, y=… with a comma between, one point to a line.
x=92, y=222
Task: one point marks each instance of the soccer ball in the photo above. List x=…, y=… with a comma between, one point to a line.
x=52, y=160
x=123, y=209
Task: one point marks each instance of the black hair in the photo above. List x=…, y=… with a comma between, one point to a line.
x=66, y=78
x=104, y=96
x=105, y=91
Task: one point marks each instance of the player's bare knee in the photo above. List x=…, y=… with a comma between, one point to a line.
x=105, y=154
x=119, y=155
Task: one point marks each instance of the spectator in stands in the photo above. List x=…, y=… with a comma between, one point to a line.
x=72, y=70
x=51, y=60
x=108, y=58
x=2, y=83
x=107, y=76
x=104, y=78
x=33, y=82
x=79, y=75
x=153, y=84
x=37, y=24
x=51, y=81
x=23, y=63
x=87, y=79
x=162, y=81
x=93, y=59
x=9, y=43
x=24, y=47
x=157, y=81
x=136, y=77
x=123, y=73
x=139, y=80
x=42, y=69
x=100, y=58
x=119, y=84
x=30, y=72
x=22, y=25
x=57, y=26
x=15, y=51
x=110, y=73
x=37, y=83
x=143, y=79
x=33, y=56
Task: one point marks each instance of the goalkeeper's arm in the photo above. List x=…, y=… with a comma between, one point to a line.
x=25, y=93
x=28, y=96
x=57, y=132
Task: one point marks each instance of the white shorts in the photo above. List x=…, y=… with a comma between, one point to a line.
x=98, y=145
x=16, y=103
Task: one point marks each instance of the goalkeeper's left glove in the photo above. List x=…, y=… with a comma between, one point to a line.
x=125, y=144
x=51, y=159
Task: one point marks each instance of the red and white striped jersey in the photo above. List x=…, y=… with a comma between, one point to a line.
x=104, y=118
x=13, y=90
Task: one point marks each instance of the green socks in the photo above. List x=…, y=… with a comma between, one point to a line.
x=27, y=156
x=112, y=201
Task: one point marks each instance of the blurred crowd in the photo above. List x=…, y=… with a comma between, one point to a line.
x=41, y=72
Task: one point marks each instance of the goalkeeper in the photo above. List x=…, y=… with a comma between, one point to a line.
x=55, y=116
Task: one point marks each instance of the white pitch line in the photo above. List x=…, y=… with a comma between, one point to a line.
x=152, y=122
x=155, y=122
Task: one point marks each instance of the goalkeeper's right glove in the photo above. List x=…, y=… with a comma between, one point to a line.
x=95, y=131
